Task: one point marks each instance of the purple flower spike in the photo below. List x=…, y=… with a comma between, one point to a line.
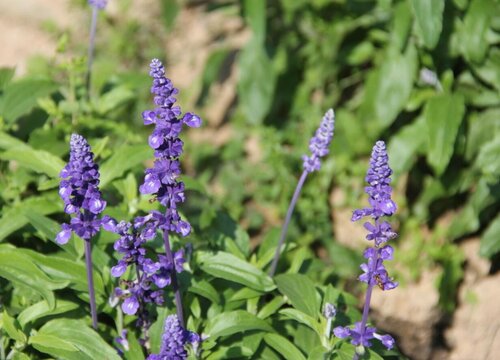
x=379, y=232
x=174, y=341
x=320, y=142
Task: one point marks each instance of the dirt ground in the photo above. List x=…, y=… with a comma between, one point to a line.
x=410, y=312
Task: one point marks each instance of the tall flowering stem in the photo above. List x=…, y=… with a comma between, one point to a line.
x=380, y=232
x=318, y=145
x=79, y=189
x=162, y=180
x=96, y=6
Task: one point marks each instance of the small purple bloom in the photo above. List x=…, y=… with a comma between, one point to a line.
x=329, y=311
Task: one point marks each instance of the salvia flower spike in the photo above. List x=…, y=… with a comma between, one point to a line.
x=319, y=147
x=380, y=232
x=96, y=6
x=162, y=180
x=174, y=341
x=79, y=189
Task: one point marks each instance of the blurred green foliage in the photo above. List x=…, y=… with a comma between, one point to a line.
x=424, y=75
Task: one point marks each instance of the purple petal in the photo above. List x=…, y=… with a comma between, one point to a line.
x=192, y=120
x=130, y=305
x=119, y=269
x=64, y=235
x=341, y=332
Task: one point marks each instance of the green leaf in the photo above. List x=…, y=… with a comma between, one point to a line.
x=21, y=97
x=41, y=309
x=490, y=241
x=74, y=334
x=443, y=116
x=235, y=322
x=302, y=318
x=17, y=267
x=256, y=82
x=271, y=307
x=51, y=342
x=301, y=292
x=13, y=218
x=205, y=289
x=8, y=142
x=404, y=146
x=475, y=26
x=124, y=158
x=389, y=88
x=20, y=356
x=227, y=266
x=255, y=14
x=283, y=346
x=12, y=328
x=429, y=16
x=114, y=99
x=6, y=75
x=487, y=159
x=40, y=161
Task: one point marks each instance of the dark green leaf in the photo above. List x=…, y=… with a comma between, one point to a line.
x=234, y=322
x=443, y=116
x=227, y=266
x=205, y=289
x=255, y=14
x=301, y=292
x=429, y=16
x=487, y=159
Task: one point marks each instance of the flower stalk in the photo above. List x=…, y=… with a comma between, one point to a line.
x=318, y=145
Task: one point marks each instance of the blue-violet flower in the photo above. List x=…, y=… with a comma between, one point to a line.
x=174, y=341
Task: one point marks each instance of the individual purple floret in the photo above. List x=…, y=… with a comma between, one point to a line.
x=380, y=232
x=319, y=147
x=174, y=341
x=79, y=189
x=320, y=142
x=161, y=181
x=99, y=4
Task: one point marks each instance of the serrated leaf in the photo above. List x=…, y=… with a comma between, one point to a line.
x=234, y=322
x=89, y=344
x=21, y=96
x=125, y=158
x=490, y=241
x=443, y=116
x=284, y=347
x=227, y=266
x=429, y=16
x=301, y=292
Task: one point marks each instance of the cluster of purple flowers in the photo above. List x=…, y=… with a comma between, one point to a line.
x=320, y=142
x=374, y=272
x=151, y=276
x=79, y=189
x=161, y=180
x=174, y=341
